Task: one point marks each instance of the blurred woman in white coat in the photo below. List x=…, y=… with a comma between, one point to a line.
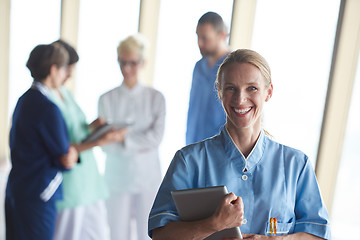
x=132, y=168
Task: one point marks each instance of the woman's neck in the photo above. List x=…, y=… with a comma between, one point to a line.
x=130, y=83
x=47, y=82
x=58, y=92
x=244, y=138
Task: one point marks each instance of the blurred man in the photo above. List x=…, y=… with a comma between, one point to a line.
x=206, y=115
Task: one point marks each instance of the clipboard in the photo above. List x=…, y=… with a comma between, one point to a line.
x=199, y=203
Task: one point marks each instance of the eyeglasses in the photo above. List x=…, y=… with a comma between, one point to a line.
x=130, y=63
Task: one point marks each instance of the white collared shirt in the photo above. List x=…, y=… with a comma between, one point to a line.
x=134, y=166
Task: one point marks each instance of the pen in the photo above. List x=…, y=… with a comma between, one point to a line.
x=273, y=226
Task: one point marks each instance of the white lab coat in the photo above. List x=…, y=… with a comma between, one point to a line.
x=133, y=166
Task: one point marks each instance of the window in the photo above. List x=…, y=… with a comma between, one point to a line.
x=30, y=25
x=102, y=25
x=298, y=45
x=346, y=209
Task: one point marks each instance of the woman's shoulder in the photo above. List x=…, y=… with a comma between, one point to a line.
x=203, y=147
x=110, y=93
x=191, y=154
x=152, y=90
x=35, y=100
x=153, y=95
x=36, y=108
x=66, y=92
x=33, y=94
x=286, y=151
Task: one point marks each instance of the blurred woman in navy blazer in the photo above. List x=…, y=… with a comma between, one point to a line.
x=40, y=150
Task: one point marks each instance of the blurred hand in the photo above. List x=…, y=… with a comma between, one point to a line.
x=230, y=212
x=113, y=136
x=70, y=159
x=97, y=123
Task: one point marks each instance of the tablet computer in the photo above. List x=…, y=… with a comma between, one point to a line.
x=102, y=130
x=98, y=133
x=199, y=203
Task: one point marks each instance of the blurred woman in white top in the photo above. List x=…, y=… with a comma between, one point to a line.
x=132, y=165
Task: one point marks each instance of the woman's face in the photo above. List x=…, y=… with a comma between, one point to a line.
x=58, y=76
x=69, y=72
x=243, y=92
x=130, y=64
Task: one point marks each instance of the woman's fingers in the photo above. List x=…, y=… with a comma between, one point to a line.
x=230, y=212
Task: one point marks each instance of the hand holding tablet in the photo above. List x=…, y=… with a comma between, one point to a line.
x=102, y=130
x=199, y=203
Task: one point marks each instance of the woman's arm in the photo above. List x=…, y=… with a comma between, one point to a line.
x=152, y=136
x=96, y=123
x=70, y=159
x=185, y=230
x=229, y=214
x=109, y=137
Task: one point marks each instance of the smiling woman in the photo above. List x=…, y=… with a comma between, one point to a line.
x=243, y=91
x=264, y=168
x=244, y=85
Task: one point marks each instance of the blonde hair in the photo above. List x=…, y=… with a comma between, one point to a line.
x=245, y=56
x=134, y=44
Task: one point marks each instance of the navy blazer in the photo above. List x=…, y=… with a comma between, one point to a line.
x=38, y=137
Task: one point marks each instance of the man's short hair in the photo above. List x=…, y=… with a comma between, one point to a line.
x=214, y=19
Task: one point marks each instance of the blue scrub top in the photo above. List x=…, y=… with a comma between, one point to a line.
x=206, y=115
x=279, y=183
